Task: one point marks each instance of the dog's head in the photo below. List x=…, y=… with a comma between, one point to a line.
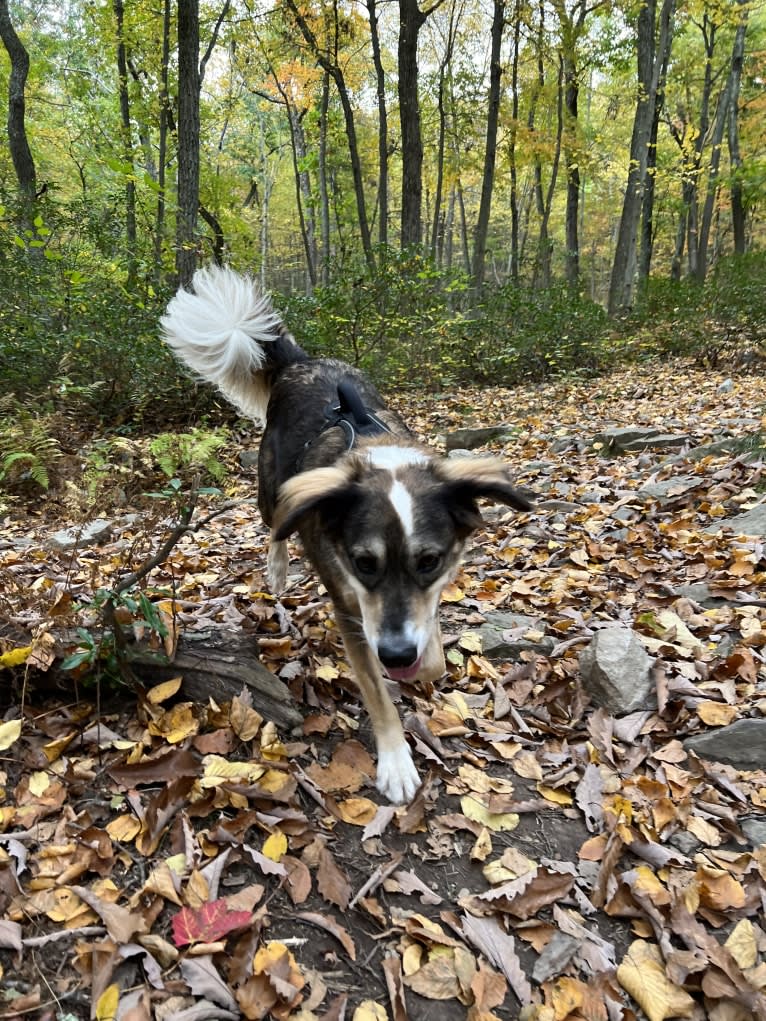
x=392, y=521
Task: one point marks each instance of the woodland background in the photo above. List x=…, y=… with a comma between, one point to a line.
x=446, y=192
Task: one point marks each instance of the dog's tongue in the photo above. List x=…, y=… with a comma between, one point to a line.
x=403, y=673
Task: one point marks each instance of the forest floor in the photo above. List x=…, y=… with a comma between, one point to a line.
x=162, y=858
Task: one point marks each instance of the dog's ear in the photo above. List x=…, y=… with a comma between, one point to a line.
x=310, y=491
x=468, y=479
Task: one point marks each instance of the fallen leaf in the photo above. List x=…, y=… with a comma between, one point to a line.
x=641, y=974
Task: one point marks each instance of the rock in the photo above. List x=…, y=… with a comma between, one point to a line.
x=502, y=636
x=562, y=506
x=741, y=744
x=700, y=593
x=564, y=443
x=754, y=829
x=616, y=672
x=461, y=452
x=630, y=439
x=558, y=952
x=79, y=536
x=667, y=489
x=248, y=458
x=752, y=522
x=726, y=387
x=468, y=439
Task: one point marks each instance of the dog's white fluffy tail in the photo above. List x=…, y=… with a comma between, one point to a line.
x=222, y=330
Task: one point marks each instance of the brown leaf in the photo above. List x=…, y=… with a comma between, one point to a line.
x=331, y=882
x=331, y=926
x=121, y=924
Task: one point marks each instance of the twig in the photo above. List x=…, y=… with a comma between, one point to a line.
x=83, y=930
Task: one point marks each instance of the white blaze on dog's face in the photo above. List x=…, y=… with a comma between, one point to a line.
x=393, y=521
x=399, y=549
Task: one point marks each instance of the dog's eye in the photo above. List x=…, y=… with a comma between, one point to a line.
x=365, y=564
x=428, y=563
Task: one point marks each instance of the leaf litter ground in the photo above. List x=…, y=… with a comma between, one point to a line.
x=171, y=860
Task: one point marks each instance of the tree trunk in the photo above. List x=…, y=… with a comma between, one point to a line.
x=127, y=146
x=735, y=161
x=324, y=197
x=652, y=51
x=490, y=152
x=722, y=115
x=543, y=273
x=572, y=218
x=188, y=140
x=21, y=154
x=336, y=73
x=162, y=145
x=380, y=87
x=411, y=19
x=514, y=264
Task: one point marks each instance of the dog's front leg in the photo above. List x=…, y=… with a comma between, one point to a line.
x=397, y=777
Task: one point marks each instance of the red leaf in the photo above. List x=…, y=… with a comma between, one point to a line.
x=208, y=923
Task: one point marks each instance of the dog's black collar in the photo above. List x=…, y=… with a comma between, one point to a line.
x=350, y=414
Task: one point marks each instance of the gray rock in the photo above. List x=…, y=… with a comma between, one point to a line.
x=557, y=954
x=668, y=489
x=726, y=387
x=616, y=672
x=700, y=593
x=562, y=506
x=461, y=452
x=502, y=636
x=754, y=829
x=752, y=522
x=630, y=439
x=741, y=744
x=248, y=458
x=78, y=537
x=469, y=439
x=685, y=842
x=662, y=441
x=563, y=443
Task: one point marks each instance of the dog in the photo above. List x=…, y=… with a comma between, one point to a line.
x=382, y=519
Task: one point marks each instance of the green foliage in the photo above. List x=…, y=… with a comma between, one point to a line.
x=520, y=334
x=190, y=453
x=28, y=448
x=723, y=321
x=411, y=325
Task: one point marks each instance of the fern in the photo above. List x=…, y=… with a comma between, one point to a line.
x=29, y=449
x=195, y=451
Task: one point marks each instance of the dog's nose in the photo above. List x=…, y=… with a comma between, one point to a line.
x=397, y=654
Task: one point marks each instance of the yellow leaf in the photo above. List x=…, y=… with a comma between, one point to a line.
x=482, y=849
x=39, y=782
x=123, y=828
x=716, y=714
x=245, y=721
x=369, y=1010
x=108, y=1001
x=275, y=845
x=473, y=809
x=327, y=672
x=10, y=732
x=271, y=747
x=471, y=641
x=567, y=996
x=161, y=692
x=641, y=974
x=742, y=945
x=558, y=797
x=15, y=657
x=357, y=811
x=452, y=593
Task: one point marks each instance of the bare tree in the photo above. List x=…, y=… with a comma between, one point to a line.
x=126, y=132
x=490, y=152
x=380, y=88
x=188, y=140
x=329, y=62
x=21, y=154
x=652, y=47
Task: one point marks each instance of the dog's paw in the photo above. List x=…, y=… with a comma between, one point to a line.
x=397, y=777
